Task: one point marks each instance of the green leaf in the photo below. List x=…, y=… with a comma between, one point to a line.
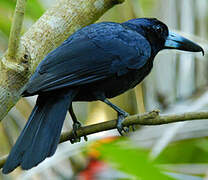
x=187, y=151
x=131, y=160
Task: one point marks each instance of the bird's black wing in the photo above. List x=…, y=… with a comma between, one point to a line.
x=89, y=57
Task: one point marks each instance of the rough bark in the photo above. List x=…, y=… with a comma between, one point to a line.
x=48, y=32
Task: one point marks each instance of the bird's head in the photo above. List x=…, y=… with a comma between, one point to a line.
x=159, y=36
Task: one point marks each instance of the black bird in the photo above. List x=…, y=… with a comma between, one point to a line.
x=97, y=62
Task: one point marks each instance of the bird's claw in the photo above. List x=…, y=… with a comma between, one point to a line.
x=85, y=138
x=75, y=139
x=76, y=126
x=120, y=127
x=133, y=127
x=122, y=130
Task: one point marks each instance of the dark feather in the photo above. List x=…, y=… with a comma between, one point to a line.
x=40, y=136
x=90, y=58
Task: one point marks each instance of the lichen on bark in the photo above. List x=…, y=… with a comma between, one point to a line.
x=56, y=24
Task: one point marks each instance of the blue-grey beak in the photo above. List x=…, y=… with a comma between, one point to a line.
x=175, y=41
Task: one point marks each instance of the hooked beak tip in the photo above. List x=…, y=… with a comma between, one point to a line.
x=175, y=41
x=202, y=50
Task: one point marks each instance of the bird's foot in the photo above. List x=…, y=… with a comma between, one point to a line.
x=120, y=127
x=77, y=125
x=133, y=127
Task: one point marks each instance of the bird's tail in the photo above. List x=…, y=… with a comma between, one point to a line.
x=40, y=136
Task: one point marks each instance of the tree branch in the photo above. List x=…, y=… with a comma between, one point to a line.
x=16, y=29
x=58, y=22
x=151, y=118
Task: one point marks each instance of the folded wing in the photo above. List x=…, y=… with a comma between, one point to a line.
x=88, y=59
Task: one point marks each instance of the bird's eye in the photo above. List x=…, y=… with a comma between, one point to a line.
x=159, y=29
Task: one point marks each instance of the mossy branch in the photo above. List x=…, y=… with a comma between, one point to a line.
x=151, y=118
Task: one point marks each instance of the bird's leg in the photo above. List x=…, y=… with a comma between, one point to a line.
x=121, y=116
x=76, y=126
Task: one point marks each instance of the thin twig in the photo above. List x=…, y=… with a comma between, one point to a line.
x=14, y=37
x=151, y=118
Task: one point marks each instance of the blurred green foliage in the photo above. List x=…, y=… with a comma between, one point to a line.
x=187, y=151
x=34, y=10
x=147, y=6
x=122, y=155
